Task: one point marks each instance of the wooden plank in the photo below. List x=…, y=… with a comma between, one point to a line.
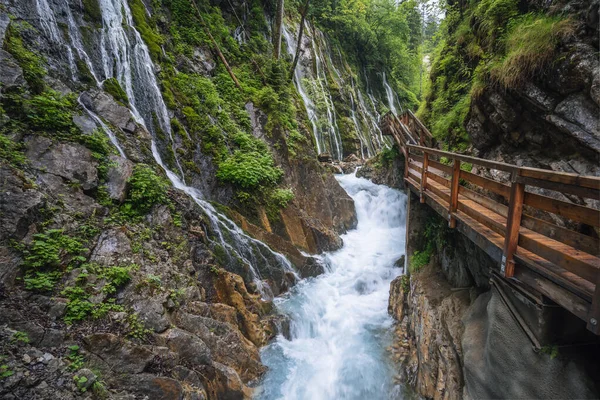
x=424, y=176
x=440, y=192
x=563, y=297
x=593, y=318
x=487, y=184
x=468, y=159
x=484, y=201
x=437, y=178
x=572, y=211
x=580, y=191
x=454, y=194
x=556, y=274
x=591, y=182
x=574, y=239
x=581, y=264
x=442, y=167
x=484, y=216
x=513, y=224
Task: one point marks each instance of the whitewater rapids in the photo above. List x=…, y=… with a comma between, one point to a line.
x=339, y=326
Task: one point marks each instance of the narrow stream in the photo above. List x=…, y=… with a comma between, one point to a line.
x=340, y=328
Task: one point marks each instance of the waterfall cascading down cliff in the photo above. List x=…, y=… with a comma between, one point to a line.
x=312, y=78
x=125, y=57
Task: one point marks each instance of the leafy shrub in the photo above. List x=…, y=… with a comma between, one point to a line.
x=48, y=249
x=419, y=259
x=249, y=170
x=146, y=189
x=75, y=359
x=5, y=371
x=112, y=87
x=50, y=111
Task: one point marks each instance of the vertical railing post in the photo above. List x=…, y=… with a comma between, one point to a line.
x=454, y=194
x=593, y=321
x=406, y=155
x=424, y=175
x=513, y=223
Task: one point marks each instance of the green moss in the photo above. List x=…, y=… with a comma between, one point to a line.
x=11, y=151
x=530, y=45
x=85, y=75
x=112, y=87
x=152, y=38
x=31, y=63
x=91, y=11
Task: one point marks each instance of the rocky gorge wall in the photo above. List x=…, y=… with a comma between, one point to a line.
x=122, y=272
x=457, y=336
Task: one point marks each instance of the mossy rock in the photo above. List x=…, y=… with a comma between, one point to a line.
x=112, y=87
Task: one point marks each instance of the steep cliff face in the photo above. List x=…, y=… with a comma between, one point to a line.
x=126, y=155
x=517, y=82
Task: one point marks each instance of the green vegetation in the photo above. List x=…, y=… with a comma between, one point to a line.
x=136, y=329
x=419, y=259
x=75, y=359
x=492, y=43
x=48, y=255
x=530, y=45
x=79, y=307
x=32, y=64
x=50, y=111
x=80, y=381
x=152, y=39
x=5, y=371
x=91, y=11
x=551, y=350
x=249, y=170
x=20, y=337
x=112, y=87
x=436, y=235
x=146, y=189
x=380, y=35
x=10, y=151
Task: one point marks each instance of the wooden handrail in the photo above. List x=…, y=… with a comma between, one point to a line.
x=568, y=178
x=517, y=223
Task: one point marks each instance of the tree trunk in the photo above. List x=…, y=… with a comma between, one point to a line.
x=278, y=30
x=216, y=46
x=298, y=45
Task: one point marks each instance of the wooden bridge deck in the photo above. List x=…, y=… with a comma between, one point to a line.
x=547, y=243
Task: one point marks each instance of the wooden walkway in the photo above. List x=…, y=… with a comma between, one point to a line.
x=550, y=245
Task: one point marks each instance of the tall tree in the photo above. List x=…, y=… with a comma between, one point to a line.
x=278, y=30
x=299, y=44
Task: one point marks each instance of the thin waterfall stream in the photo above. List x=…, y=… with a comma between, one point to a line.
x=339, y=326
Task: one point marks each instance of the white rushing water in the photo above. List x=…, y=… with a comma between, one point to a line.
x=390, y=95
x=339, y=321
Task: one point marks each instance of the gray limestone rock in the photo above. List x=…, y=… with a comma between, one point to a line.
x=119, y=171
x=71, y=161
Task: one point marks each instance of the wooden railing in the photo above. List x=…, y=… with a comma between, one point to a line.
x=540, y=221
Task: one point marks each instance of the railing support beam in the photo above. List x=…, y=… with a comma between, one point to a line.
x=424, y=176
x=593, y=320
x=454, y=194
x=513, y=224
